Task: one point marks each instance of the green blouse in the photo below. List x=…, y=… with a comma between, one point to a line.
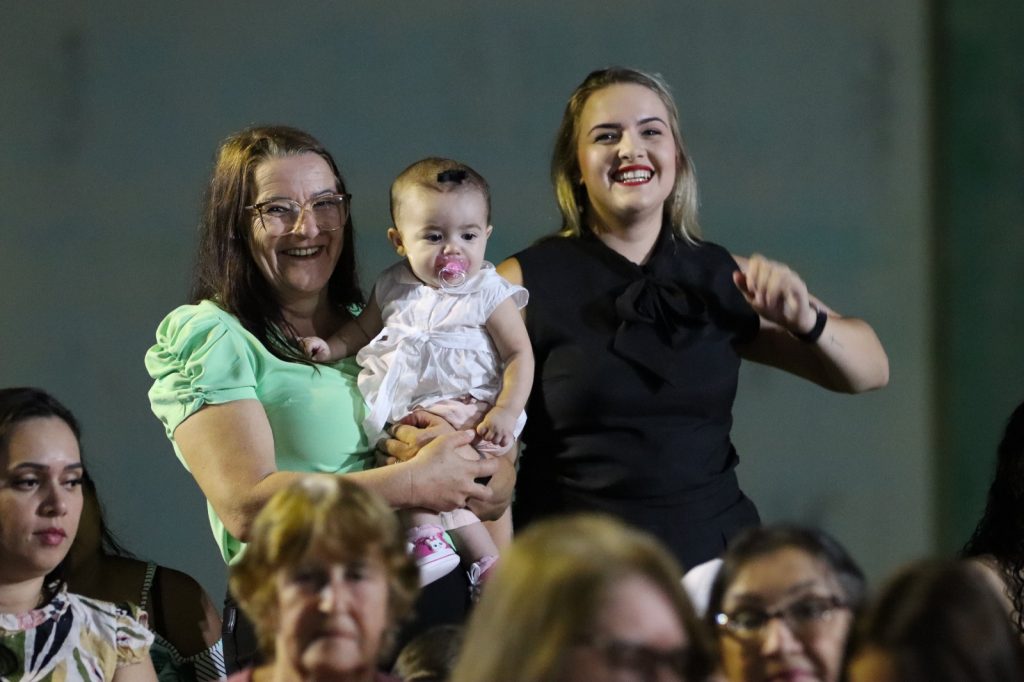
x=203, y=356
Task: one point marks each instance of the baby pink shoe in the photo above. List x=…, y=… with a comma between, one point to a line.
x=434, y=556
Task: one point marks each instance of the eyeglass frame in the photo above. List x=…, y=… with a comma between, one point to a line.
x=620, y=653
x=257, y=208
x=795, y=625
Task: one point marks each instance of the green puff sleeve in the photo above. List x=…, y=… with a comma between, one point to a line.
x=204, y=356
x=201, y=357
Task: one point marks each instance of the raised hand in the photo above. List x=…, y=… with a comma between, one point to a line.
x=776, y=293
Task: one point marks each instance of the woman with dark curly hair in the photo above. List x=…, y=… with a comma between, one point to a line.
x=997, y=543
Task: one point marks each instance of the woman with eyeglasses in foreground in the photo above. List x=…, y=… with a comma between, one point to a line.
x=936, y=622
x=46, y=632
x=246, y=411
x=584, y=599
x=326, y=580
x=782, y=605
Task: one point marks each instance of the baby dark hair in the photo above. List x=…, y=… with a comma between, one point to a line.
x=440, y=175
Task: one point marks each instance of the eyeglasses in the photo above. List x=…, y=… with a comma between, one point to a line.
x=801, y=617
x=641, y=659
x=282, y=216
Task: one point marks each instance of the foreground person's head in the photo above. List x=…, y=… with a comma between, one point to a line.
x=584, y=598
x=782, y=605
x=325, y=579
x=936, y=622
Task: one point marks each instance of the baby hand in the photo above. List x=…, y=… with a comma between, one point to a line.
x=497, y=427
x=315, y=348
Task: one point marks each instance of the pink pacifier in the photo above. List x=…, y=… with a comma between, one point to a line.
x=452, y=273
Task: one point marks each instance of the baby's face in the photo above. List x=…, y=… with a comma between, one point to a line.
x=435, y=228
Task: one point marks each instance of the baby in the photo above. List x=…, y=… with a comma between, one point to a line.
x=442, y=333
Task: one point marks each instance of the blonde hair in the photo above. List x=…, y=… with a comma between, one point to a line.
x=440, y=175
x=547, y=593
x=332, y=516
x=681, y=206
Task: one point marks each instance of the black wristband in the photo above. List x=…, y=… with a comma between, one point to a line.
x=815, y=333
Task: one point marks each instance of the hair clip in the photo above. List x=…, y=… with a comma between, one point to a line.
x=453, y=175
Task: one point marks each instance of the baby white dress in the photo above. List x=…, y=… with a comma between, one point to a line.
x=433, y=347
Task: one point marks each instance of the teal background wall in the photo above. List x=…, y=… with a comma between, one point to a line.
x=979, y=245
x=810, y=124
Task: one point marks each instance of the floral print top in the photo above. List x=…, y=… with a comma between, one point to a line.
x=74, y=638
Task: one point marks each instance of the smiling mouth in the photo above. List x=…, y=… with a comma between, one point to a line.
x=303, y=252
x=633, y=175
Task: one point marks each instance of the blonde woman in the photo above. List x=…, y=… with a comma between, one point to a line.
x=639, y=325
x=584, y=599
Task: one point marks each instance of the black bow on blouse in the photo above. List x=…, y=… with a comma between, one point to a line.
x=658, y=316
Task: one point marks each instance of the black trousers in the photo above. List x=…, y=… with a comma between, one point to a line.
x=443, y=602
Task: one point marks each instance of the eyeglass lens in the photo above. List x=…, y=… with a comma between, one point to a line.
x=283, y=215
x=643, y=659
x=798, y=616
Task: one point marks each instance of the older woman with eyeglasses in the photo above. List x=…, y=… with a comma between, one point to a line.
x=246, y=412
x=782, y=605
x=585, y=599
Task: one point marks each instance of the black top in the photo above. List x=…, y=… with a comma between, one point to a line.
x=636, y=372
